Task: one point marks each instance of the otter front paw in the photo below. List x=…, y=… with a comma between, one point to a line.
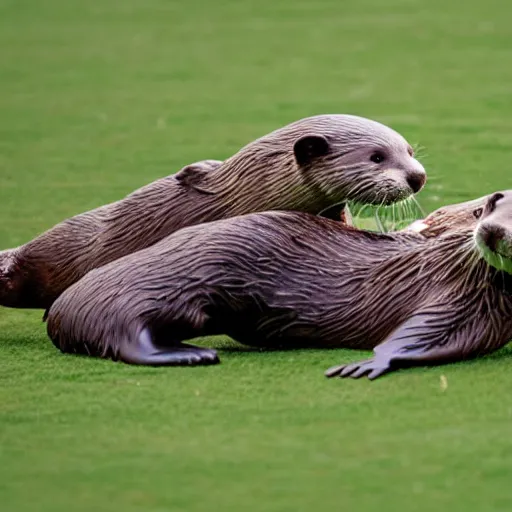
x=370, y=367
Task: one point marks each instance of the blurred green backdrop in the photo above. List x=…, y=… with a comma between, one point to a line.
x=100, y=97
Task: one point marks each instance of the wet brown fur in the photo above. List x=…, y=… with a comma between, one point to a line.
x=282, y=279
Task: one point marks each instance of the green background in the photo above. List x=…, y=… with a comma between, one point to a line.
x=100, y=97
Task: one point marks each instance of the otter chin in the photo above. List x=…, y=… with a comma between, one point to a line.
x=289, y=279
x=313, y=165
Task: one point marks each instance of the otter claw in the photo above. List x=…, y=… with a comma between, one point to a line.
x=333, y=371
x=367, y=367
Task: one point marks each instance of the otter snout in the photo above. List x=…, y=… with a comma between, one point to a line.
x=415, y=175
x=491, y=235
x=416, y=178
x=406, y=177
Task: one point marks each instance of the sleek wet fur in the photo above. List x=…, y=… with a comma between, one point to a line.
x=310, y=166
x=284, y=279
x=449, y=218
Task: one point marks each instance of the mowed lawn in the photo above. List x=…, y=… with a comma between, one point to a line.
x=100, y=97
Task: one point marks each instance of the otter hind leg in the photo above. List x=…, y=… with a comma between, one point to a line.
x=144, y=351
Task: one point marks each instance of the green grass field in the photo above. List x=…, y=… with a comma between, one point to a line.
x=99, y=98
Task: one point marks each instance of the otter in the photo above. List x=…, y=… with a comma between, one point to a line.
x=310, y=165
x=288, y=280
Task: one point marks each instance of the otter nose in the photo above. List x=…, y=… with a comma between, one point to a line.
x=491, y=235
x=416, y=179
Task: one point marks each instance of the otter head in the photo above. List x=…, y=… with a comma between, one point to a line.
x=493, y=234
x=453, y=217
x=356, y=159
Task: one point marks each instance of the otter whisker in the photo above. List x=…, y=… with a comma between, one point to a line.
x=395, y=216
x=357, y=190
x=379, y=223
x=412, y=199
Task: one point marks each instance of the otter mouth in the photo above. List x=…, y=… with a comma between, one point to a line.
x=385, y=193
x=386, y=217
x=380, y=200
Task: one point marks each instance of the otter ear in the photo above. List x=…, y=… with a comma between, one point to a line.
x=192, y=175
x=309, y=147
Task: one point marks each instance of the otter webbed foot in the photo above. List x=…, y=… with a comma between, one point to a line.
x=144, y=351
x=373, y=368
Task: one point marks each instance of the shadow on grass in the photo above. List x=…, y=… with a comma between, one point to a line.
x=226, y=345
x=32, y=343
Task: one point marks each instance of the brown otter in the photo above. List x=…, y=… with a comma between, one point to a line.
x=309, y=166
x=289, y=279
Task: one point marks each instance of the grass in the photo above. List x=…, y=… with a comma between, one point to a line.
x=99, y=98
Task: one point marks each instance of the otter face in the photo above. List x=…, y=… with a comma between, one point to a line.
x=450, y=218
x=360, y=160
x=493, y=234
x=388, y=173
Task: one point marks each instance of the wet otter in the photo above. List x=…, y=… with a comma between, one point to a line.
x=309, y=166
x=288, y=279
x=471, y=313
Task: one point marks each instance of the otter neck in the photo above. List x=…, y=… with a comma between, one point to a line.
x=267, y=181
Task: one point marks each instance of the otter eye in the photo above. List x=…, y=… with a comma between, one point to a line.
x=478, y=213
x=410, y=151
x=377, y=157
